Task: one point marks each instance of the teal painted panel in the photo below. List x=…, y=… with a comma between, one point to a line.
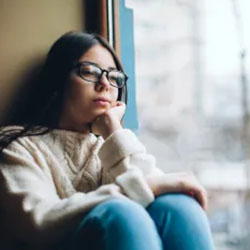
x=128, y=61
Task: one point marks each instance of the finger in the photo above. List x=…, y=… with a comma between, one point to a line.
x=120, y=108
x=197, y=196
x=190, y=193
x=193, y=188
x=200, y=193
x=205, y=199
x=201, y=196
x=115, y=104
x=119, y=103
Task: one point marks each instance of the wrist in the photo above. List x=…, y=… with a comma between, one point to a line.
x=156, y=183
x=111, y=126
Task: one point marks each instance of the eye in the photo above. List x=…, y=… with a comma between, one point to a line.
x=87, y=70
x=90, y=72
x=116, y=78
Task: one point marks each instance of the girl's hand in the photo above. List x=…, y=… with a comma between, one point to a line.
x=116, y=111
x=108, y=122
x=184, y=182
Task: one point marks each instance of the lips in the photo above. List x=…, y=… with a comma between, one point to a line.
x=102, y=99
x=102, y=102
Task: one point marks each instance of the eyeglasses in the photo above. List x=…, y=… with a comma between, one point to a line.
x=91, y=72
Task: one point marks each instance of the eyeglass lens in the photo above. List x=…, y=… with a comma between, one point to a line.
x=93, y=74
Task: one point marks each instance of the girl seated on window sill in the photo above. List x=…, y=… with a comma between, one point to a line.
x=71, y=177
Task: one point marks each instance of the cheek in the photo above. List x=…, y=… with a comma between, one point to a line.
x=114, y=94
x=77, y=92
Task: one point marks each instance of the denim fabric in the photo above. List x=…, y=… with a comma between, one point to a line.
x=181, y=223
x=171, y=222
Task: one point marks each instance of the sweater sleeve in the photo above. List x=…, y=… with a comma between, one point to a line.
x=33, y=210
x=126, y=162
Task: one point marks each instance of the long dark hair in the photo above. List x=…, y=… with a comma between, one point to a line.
x=38, y=110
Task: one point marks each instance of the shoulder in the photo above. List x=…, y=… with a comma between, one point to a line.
x=56, y=141
x=21, y=140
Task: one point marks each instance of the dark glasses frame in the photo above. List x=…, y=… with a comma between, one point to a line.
x=78, y=67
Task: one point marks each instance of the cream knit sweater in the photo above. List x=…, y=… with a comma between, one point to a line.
x=48, y=182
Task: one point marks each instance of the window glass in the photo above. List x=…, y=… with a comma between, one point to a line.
x=192, y=82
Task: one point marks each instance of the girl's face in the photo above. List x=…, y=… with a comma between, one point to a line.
x=85, y=100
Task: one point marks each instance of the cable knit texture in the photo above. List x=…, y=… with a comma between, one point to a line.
x=48, y=182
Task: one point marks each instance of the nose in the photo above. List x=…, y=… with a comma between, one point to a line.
x=103, y=83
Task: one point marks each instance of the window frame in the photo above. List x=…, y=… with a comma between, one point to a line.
x=114, y=21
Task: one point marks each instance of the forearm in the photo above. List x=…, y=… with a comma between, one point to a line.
x=112, y=125
x=125, y=161
x=182, y=182
x=110, y=121
x=158, y=184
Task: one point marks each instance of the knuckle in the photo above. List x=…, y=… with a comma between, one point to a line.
x=182, y=184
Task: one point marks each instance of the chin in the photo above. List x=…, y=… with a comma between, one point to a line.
x=100, y=111
x=97, y=113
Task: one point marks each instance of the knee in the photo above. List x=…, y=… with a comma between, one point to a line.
x=119, y=212
x=118, y=223
x=181, y=220
x=179, y=206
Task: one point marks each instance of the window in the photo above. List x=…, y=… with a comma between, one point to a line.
x=192, y=74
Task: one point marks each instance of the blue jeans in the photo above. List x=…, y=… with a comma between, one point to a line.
x=171, y=222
